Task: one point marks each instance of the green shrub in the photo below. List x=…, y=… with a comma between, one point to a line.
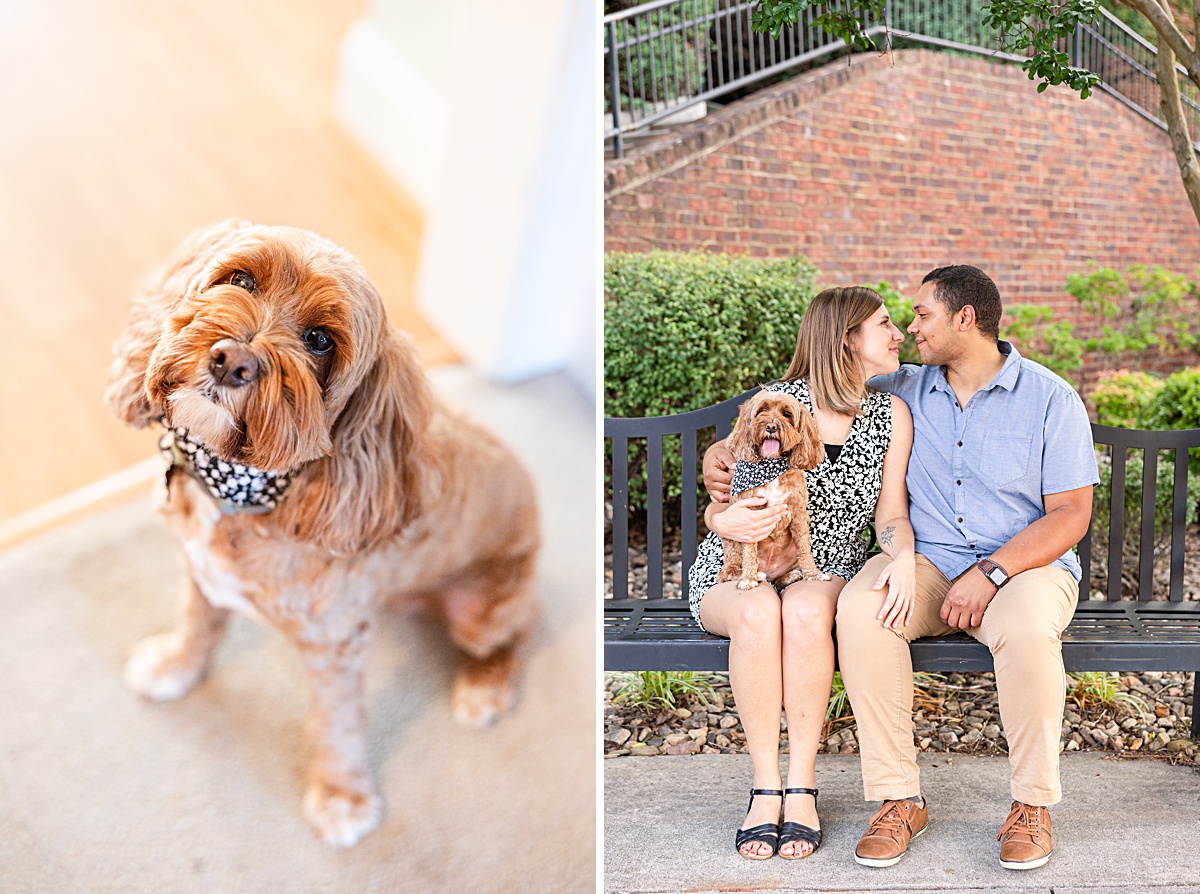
x=1053, y=345
x=1176, y=404
x=685, y=331
x=1153, y=404
x=1123, y=397
x=1144, y=308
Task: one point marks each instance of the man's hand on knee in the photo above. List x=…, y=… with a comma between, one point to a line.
x=968, y=599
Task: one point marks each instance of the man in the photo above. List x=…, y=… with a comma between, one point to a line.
x=1000, y=488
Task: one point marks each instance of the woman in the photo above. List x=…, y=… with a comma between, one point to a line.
x=781, y=645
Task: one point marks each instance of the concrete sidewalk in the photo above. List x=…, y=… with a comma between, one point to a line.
x=1123, y=826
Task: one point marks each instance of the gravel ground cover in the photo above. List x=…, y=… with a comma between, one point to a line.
x=1132, y=715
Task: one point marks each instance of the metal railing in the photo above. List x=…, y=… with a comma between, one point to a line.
x=665, y=57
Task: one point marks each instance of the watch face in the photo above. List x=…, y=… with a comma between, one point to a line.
x=996, y=576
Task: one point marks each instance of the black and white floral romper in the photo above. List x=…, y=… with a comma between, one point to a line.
x=841, y=497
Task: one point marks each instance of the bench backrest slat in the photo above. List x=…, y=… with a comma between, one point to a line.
x=688, y=506
x=1179, y=514
x=721, y=417
x=620, y=518
x=1116, y=527
x=1146, y=541
x=654, y=514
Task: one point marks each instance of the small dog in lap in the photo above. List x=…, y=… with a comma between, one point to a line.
x=774, y=440
x=314, y=477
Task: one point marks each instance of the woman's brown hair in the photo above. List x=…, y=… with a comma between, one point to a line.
x=823, y=356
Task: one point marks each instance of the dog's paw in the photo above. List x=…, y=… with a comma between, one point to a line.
x=158, y=669
x=746, y=584
x=819, y=576
x=480, y=704
x=341, y=816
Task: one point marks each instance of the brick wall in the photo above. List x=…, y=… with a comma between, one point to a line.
x=880, y=171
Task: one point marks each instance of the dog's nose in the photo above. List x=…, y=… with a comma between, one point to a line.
x=772, y=427
x=231, y=363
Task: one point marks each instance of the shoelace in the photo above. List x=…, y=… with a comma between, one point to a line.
x=890, y=817
x=1024, y=820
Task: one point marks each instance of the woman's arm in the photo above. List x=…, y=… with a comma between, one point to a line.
x=748, y=520
x=718, y=471
x=892, y=527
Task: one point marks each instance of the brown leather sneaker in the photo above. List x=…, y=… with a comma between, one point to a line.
x=891, y=828
x=1025, y=840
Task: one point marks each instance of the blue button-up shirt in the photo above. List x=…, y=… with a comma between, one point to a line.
x=977, y=474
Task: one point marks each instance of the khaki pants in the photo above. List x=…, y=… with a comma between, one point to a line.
x=1022, y=627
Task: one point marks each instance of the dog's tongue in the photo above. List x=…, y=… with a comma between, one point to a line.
x=770, y=447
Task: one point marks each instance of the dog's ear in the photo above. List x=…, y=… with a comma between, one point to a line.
x=126, y=394
x=369, y=486
x=741, y=439
x=810, y=451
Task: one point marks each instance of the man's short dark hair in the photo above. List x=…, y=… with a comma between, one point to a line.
x=962, y=284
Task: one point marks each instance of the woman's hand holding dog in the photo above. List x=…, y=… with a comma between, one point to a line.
x=748, y=520
x=718, y=474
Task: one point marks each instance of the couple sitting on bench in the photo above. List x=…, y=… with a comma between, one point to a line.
x=976, y=528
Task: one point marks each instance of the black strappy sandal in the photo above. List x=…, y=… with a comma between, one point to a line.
x=767, y=833
x=792, y=832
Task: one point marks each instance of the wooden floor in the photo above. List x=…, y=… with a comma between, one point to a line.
x=124, y=125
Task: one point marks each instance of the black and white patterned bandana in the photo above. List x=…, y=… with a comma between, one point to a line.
x=747, y=475
x=233, y=486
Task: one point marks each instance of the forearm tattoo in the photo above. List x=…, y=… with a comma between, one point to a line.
x=886, y=535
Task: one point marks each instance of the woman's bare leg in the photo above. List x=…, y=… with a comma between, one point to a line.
x=751, y=619
x=809, y=609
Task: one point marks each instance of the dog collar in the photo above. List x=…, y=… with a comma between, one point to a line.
x=747, y=475
x=232, y=486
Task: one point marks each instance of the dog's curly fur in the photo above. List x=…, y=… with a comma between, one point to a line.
x=395, y=499
x=773, y=415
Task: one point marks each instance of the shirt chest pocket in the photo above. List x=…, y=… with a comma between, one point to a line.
x=1004, y=458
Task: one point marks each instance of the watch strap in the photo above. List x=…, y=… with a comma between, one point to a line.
x=987, y=566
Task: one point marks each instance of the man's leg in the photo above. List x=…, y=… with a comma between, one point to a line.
x=877, y=670
x=1023, y=627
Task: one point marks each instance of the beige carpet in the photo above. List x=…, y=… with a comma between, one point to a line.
x=101, y=792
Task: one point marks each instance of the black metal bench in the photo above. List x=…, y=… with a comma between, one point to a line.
x=1112, y=634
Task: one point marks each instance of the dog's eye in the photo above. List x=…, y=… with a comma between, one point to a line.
x=318, y=340
x=243, y=280
x=787, y=414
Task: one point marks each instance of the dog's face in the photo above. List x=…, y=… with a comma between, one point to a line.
x=271, y=331
x=772, y=424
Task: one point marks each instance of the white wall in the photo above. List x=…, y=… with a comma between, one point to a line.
x=486, y=116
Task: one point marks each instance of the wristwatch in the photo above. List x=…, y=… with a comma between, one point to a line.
x=993, y=572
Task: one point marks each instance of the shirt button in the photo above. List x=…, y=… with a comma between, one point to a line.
x=958, y=482
x=960, y=518
x=960, y=443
